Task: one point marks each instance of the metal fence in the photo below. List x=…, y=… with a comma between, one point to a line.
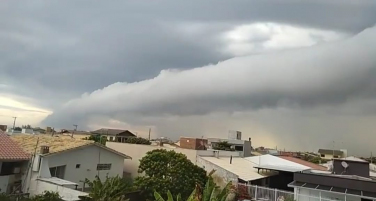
x=258, y=193
x=250, y=192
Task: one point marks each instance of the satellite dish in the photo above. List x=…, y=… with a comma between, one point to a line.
x=344, y=164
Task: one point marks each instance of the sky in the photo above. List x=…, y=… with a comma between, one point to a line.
x=289, y=74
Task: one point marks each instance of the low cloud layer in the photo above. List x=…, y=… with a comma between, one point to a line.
x=326, y=76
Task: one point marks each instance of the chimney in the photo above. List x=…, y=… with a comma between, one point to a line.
x=44, y=149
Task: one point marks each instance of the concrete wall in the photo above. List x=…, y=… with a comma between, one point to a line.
x=88, y=158
x=4, y=181
x=66, y=193
x=221, y=175
x=137, y=151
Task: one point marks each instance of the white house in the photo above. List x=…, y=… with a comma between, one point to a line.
x=330, y=154
x=13, y=161
x=67, y=162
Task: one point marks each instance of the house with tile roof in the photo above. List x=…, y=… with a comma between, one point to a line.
x=66, y=161
x=13, y=163
x=115, y=135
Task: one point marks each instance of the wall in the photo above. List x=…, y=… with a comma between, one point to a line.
x=4, y=180
x=67, y=193
x=88, y=158
x=137, y=151
x=225, y=175
x=193, y=143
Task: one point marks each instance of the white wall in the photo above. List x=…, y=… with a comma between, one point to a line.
x=225, y=175
x=64, y=192
x=4, y=181
x=88, y=158
x=137, y=151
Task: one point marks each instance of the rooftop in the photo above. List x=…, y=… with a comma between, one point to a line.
x=56, y=144
x=109, y=131
x=239, y=166
x=10, y=150
x=330, y=151
x=305, y=163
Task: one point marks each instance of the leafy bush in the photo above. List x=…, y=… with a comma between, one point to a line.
x=138, y=140
x=223, y=146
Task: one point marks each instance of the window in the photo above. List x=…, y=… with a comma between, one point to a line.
x=322, y=155
x=104, y=166
x=7, y=168
x=58, y=171
x=335, y=156
x=78, y=166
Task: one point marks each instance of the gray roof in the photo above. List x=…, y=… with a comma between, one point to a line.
x=105, y=131
x=330, y=151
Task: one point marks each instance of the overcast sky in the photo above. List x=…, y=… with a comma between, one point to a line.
x=288, y=74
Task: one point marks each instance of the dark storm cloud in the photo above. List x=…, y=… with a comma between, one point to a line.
x=55, y=50
x=323, y=75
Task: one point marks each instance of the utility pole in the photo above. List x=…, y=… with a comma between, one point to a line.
x=14, y=122
x=149, y=133
x=333, y=149
x=74, y=125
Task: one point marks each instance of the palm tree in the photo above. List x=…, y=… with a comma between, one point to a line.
x=211, y=192
x=113, y=189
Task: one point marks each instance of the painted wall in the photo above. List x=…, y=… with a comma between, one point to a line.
x=88, y=158
x=64, y=192
x=221, y=175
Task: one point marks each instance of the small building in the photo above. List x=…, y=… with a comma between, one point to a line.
x=13, y=162
x=116, y=135
x=58, y=158
x=193, y=143
x=330, y=153
x=347, y=180
x=244, y=147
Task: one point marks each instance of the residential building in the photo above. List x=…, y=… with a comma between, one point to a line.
x=244, y=147
x=3, y=128
x=372, y=167
x=70, y=160
x=13, y=163
x=348, y=180
x=266, y=170
x=193, y=143
x=116, y=135
x=330, y=153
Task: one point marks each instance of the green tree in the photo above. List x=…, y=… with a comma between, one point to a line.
x=112, y=189
x=138, y=140
x=17, y=129
x=97, y=138
x=223, y=146
x=168, y=171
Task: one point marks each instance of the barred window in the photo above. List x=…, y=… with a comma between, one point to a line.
x=104, y=166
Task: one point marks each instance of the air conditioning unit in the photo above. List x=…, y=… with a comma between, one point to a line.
x=17, y=170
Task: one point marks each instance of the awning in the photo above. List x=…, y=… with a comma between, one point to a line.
x=281, y=168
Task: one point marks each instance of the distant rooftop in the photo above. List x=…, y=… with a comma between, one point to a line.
x=109, y=131
x=56, y=144
x=330, y=151
x=10, y=150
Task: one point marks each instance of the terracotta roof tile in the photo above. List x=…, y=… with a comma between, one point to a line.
x=305, y=163
x=10, y=150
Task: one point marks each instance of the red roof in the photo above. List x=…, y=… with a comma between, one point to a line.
x=305, y=163
x=9, y=149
